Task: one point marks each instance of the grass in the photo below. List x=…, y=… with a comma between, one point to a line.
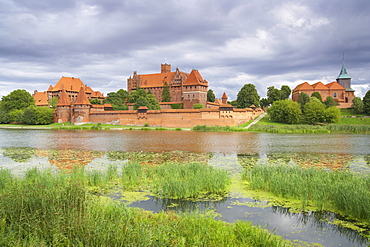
x=176, y=180
x=45, y=209
x=346, y=192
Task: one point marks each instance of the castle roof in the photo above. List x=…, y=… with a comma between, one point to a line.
x=224, y=96
x=195, y=79
x=82, y=98
x=334, y=85
x=41, y=99
x=69, y=84
x=64, y=99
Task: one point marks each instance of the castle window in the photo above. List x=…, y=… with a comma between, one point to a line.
x=335, y=95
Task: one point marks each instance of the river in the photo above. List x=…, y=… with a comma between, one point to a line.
x=59, y=149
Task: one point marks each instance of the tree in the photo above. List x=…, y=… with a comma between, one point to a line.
x=285, y=111
x=141, y=101
x=153, y=103
x=317, y=95
x=16, y=115
x=285, y=92
x=366, y=101
x=17, y=100
x=211, y=97
x=166, y=96
x=53, y=102
x=247, y=96
x=331, y=114
x=95, y=101
x=117, y=98
x=330, y=101
x=29, y=115
x=303, y=98
x=264, y=102
x=358, y=105
x=198, y=106
x=273, y=94
x=314, y=111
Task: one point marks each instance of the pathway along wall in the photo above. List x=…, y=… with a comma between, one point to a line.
x=174, y=118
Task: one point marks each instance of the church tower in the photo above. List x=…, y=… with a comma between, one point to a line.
x=344, y=79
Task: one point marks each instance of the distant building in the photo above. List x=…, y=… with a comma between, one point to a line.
x=184, y=88
x=340, y=89
x=71, y=86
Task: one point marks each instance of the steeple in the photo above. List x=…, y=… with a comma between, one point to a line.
x=343, y=78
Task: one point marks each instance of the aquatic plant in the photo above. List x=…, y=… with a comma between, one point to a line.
x=344, y=191
x=46, y=209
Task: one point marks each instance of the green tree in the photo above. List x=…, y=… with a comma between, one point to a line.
x=317, y=95
x=285, y=111
x=303, y=98
x=366, y=101
x=211, y=97
x=285, y=92
x=330, y=101
x=198, y=106
x=53, y=102
x=135, y=94
x=95, y=101
x=247, y=96
x=264, y=102
x=153, y=103
x=314, y=111
x=358, y=105
x=332, y=114
x=117, y=98
x=29, y=115
x=273, y=94
x=17, y=100
x=166, y=96
x=4, y=115
x=16, y=115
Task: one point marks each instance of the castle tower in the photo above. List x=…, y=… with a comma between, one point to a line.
x=224, y=99
x=165, y=68
x=194, y=90
x=81, y=112
x=63, y=111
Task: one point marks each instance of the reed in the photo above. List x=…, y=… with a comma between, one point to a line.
x=206, y=128
x=301, y=128
x=45, y=209
x=344, y=191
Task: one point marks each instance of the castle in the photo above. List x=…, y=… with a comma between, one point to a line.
x=184, y=88
x=74, y=102
x=340, y=89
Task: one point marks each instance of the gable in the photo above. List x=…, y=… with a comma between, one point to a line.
x=335, y=85
x=69, y=84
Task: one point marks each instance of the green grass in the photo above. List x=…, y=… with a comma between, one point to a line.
x=346, y=192
x=45, y=209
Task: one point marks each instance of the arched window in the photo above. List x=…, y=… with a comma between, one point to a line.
x=335, y=95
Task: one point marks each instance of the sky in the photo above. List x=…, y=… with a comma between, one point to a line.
x=231, y=42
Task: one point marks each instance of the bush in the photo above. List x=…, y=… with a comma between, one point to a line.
x=285, y=111
x=198, y=106
x=314, y=111
x=332, y=114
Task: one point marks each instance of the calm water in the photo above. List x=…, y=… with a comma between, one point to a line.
x=59, y=149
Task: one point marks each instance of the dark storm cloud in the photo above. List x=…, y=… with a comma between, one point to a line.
x=266, y=43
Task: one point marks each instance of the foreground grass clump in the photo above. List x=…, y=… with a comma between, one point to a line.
x=206, y=128
x=346, y=192
x=45, y=209
x=176, y=180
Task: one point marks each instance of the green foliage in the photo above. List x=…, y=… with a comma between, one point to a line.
x=120, y=107
x=247, y=96
x=285, y=92
x=198, y=106
x=358, y=105
x=177, y=106
x=303, y=98
x=17, y=100
x=211, y=97
x=95, y=102
x=38, y=115
x=330, y=101
x=117, y=98
x=166, y=96
x=332, y=114
x=314, y=111
x=366, y=101
x=141, y=98
x=285, y=111
x=273, y=94
x=317, y=95
x=304, y=128
x=53, y=102
x=16, y=115
x=344, y=191
x=4, y=116
x=264, y=102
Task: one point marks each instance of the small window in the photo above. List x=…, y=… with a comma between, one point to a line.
x=335, y=95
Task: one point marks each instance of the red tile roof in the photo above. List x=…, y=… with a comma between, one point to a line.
x=195, y=79
x=64, y=99
x=41, y=99
x=69, y=84
x=82, y=98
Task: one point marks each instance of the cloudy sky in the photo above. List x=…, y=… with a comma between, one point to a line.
x=231, y=42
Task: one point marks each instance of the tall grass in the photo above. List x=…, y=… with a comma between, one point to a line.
x=206, y=128
x=45, y=209
x=332, y=128
x=346, y=192
x=176, y=180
